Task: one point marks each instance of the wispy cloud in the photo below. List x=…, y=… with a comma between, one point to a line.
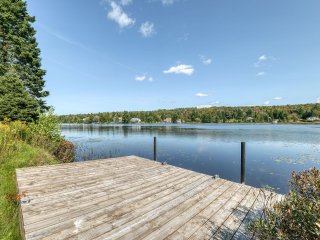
x=147, y=29
x=266, y=103
x=261, y=60
x=201, y=94
x=318, y=100
x=180, y=69
x=212, y=104
x=143, y=77
x=125, y=2
x=277, y=98
x=204, y=106
x=185, y=37
x=62, y=37
x=205, y=60
x=81, y=46
x=215, y=103
x=119, y=16
x=167, y=2
x=260, y=74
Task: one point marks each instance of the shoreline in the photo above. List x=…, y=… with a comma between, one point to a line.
x=231, y=123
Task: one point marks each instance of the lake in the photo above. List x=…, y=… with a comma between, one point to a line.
x=273, y=151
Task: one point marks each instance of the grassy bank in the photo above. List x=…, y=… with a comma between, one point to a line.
x=25, y=156
x=23, y=145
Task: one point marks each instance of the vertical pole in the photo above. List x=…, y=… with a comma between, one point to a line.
x=155, y=148
x=243, y=162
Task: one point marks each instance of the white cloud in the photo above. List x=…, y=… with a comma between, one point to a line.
x=318, y=100
x=260, y=74
x=147, y=29
x=263, y=58
x=266, y=103
x=119, y=16
x=205, y=60
x=180, y=69
x=140, y=78
x=201, y=95
x=143, y=77
x=167, y=2
x=278, y=98
x=204, y=106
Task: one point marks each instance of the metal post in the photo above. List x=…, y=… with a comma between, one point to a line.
x=155, y=148
x=243, y=162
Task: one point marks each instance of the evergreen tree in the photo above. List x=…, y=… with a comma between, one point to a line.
x=19, y=48
x=15, y=101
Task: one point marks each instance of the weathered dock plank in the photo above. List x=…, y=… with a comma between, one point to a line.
x=132, y=198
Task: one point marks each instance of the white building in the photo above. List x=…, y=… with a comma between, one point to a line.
x=249, y=119
x=135, y=120
x=311, y=119
x=167, y=120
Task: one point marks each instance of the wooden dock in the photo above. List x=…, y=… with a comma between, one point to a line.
x=132, y=198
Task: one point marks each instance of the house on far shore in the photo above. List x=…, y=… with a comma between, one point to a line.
x=249, y=119
x=167, y=120
x=311, y=119
x=135, y=120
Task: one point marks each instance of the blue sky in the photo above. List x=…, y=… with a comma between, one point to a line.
x=120, y=55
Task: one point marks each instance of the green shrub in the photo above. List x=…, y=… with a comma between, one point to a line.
x=44, y=133
x=297, y=216
x=46, y=127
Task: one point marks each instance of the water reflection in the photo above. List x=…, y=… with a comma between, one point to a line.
x=273, y=151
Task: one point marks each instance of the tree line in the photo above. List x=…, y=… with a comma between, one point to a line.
x=258, y=114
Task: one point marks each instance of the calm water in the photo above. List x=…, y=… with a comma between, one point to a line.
x=273, y=151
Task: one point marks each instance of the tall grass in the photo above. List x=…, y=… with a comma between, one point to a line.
x=24, y=145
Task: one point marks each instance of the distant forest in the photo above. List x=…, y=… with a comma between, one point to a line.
x=257, y=114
